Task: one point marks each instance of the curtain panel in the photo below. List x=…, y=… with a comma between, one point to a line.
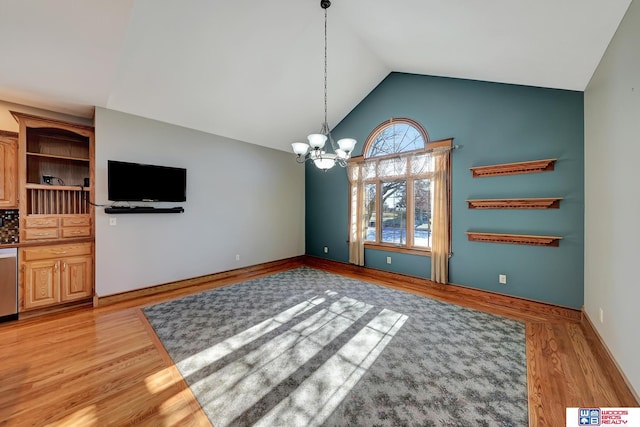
x=440, y=218
x=357, y=220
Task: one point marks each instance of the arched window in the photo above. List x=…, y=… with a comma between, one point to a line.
x=395, y=136
x=397, y=186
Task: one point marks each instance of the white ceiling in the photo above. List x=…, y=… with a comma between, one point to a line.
x=253, y=70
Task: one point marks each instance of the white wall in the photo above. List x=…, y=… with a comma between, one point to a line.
x=612, y=205
x=241, y=199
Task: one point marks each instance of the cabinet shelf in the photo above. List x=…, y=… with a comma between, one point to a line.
x=515, y=239
x=532, y=166
x=59, y=157
x=520, y=203
x=55, y=187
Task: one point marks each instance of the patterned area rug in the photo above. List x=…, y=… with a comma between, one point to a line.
x=306, y=347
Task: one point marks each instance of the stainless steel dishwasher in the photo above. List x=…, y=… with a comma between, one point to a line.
x=8, y=284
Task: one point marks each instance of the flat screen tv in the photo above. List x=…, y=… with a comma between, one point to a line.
x=131, y=182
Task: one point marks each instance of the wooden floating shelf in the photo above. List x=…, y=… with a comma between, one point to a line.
x=533, y=166
x=528, y=203
x=514, y=239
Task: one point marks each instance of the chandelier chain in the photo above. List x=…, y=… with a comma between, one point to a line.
x=325, y=68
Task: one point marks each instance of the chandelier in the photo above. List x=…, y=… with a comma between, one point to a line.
x=314, y=150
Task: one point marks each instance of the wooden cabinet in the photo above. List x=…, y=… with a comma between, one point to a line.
x=75, y=226
x=39, y=228
x=76, y=277
x=43, y=227
x=55, y=274
x=9, y=172
x=41, y=283
x=53, y=172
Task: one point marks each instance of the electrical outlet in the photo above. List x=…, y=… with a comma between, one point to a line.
x=601, y=315
x=326, y=250
x=113, y=220
x=237, y=257
x=388, y=260
x=502, y=279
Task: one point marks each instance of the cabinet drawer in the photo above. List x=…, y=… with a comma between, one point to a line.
x=57, y=251
x=41, y=222
x=76, y=232
x=40, y=233
x=76, y=221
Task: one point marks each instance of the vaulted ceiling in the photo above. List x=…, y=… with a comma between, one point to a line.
x=253, y=71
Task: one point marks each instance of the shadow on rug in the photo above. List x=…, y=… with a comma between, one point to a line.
x=306, y=347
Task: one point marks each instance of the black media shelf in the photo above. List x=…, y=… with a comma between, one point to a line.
x=140, y=210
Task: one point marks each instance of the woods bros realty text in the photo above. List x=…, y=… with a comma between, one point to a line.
x=603, y=416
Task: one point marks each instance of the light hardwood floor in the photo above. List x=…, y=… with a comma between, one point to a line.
x=104, y=366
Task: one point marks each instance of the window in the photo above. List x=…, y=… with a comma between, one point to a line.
x=396, y=176
x=396, y=136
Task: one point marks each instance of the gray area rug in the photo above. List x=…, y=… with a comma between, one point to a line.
x=306, y=347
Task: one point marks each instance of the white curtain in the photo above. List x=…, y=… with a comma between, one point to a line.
x=440, y=218
x=357, y=220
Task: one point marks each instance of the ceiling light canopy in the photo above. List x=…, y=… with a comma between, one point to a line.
x=314, y=149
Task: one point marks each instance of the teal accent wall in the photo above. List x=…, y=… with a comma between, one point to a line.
x=492, y=123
